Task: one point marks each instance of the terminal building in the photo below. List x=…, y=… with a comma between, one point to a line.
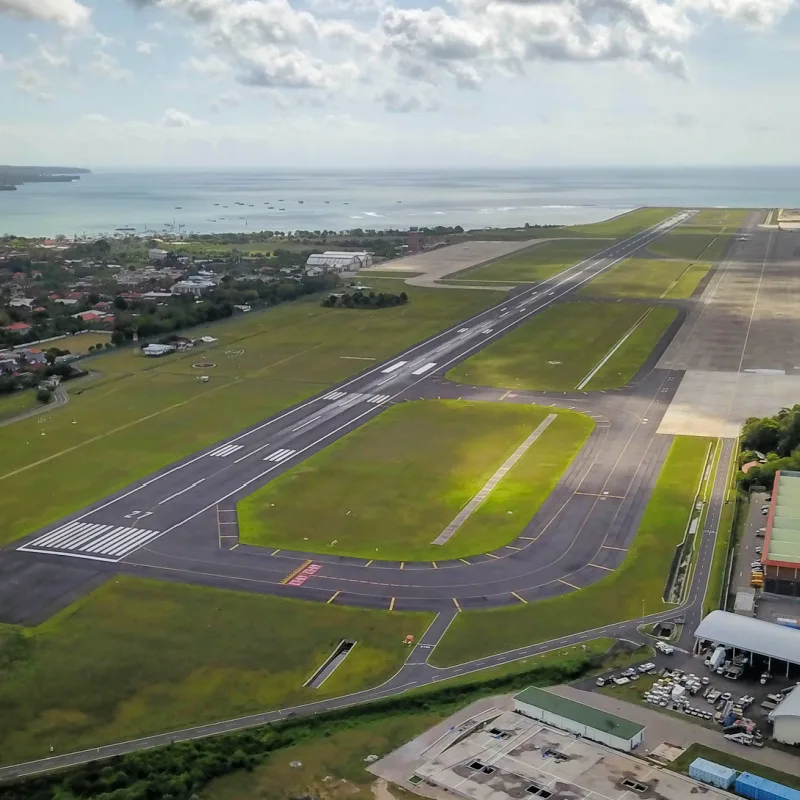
x=339, y=261
x=781, y=557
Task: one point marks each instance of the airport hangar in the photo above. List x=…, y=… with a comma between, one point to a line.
x=781, y=557
x=751, y=636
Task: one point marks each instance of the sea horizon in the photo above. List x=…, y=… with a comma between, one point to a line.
x=236, y=200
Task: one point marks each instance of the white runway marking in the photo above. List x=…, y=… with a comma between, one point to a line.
x=377, y=399
x=182, y=491
x=463, y=330
x=93, y=541
x=487, y=331
x=427, y=368
x=225, y=450
x=307, y=422
x=394, y=366
x=280, y=455
x=333, y=395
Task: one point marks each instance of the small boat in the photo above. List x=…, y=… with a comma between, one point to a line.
x=281, y=209
x=300, y=201
x=216, y=204
x=179, y=208
x=347, y=204
x=127, y=229
x=327, y=201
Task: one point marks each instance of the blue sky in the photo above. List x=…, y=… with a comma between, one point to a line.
x=324, y=83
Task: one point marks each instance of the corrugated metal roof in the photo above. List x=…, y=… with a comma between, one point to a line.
x=790, y=707
x=784, y=532
x=750, y=634
x=761, y=787
x=712, y=768
x=585, y=715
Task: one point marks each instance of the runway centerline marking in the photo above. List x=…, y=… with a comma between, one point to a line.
x=182, y=491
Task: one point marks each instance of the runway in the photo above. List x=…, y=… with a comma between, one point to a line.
x=180, y=524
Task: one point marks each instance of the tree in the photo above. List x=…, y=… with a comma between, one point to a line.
x=93, y=298
x=44, y=395
x=120, y=303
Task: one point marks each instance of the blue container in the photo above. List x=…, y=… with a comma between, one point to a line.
x=758, y=788
x=712, y=773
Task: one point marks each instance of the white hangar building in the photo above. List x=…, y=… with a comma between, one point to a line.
x=786, y=719
x=340, y=260
x=569, y=715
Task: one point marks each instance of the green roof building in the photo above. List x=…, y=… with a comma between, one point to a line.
x=578, y=718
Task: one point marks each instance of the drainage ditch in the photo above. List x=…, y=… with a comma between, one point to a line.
x=331, y=664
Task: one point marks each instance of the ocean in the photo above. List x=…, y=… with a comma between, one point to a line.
x=194, y=201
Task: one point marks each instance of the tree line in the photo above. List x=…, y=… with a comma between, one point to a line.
x=180, y=771
x=360, y=300
x=776, y=438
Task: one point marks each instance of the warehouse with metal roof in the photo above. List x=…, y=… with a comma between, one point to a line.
x=569, y=715
x=781, y=558
x=750, y=635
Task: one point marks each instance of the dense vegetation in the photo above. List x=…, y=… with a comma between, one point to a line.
x=778, y=439
x=180, y=771
x=182, y=311
x=361, y=300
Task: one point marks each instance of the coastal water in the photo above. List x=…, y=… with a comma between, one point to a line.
x=238, y=200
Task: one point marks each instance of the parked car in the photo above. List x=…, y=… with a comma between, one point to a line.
x=765, y=677
x=601, y=681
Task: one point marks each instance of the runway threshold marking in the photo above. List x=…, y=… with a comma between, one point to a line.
x=333, y=596
x=457, y=605
x=597, y=566
x=295, y=571
x=391, y=604
x=567, y=583
x=604, y=496
x=521, y=599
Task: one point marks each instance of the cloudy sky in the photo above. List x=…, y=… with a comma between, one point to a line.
x=399, y=82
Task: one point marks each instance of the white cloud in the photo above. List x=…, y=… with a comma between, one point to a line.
x=33, y=83
x=105, y=65
x=100, y=119
x=145, y=48
x=178, y=119
x=225, y=101
x=397, y=102
x=69, y=13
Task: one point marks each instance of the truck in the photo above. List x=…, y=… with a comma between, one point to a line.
x=716, y=659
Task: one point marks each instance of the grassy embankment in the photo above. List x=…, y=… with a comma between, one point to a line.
x=557, y=349
x=389, y=488
x=145, y=413
x=681, y=764
x=137, y=657
x=631, y=591
x=731, y=525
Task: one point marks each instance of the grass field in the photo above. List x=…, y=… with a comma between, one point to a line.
x=136, y=657
x=557, y=349
x=389, y=488
x=81, y=342
x=637, y=277
x=18, y=403
x=681, y=764
x=535, y=264
x=145, y=413
x=635, y=588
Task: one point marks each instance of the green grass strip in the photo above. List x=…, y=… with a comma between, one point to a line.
x=389, y=488
x=633, y=589
x=627, y=360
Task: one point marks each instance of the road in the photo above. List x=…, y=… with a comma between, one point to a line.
x=581, y=531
